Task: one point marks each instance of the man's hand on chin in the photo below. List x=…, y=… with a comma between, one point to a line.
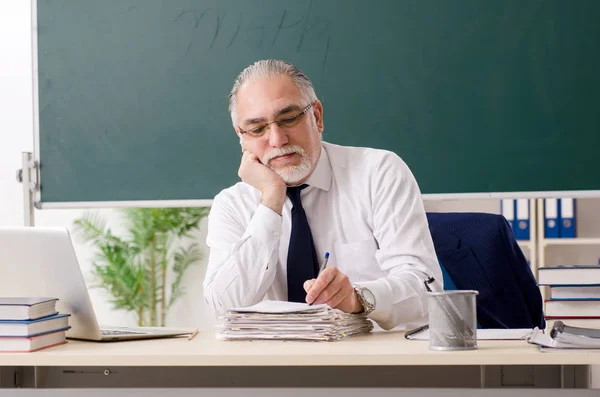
x=271, y=186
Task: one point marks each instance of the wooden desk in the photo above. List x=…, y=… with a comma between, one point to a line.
x=243, y=361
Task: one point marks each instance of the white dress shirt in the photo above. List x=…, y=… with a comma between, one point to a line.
x=363, y=206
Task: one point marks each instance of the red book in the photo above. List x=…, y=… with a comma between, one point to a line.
x=32, y=344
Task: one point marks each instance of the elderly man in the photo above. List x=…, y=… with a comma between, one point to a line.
x=301, y=197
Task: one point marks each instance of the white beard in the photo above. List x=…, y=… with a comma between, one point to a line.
x=294, y=173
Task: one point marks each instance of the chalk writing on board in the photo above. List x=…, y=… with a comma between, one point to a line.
x=220, y=29
x=283, y=26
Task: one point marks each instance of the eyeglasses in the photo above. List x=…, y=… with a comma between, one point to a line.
x=286, y=123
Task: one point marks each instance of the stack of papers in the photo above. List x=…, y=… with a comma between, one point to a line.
x=278, y=320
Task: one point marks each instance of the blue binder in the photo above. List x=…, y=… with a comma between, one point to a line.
x=567, y=225
x=507, y=209
x=551, y=218
x=522, y=219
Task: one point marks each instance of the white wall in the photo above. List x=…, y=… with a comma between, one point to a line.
x=16, y=136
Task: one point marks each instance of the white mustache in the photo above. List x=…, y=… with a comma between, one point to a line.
x=282, y=152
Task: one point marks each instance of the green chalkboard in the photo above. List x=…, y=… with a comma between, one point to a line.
x=476, y=96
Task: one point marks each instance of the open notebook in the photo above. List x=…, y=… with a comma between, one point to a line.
x=279, y=320
x=563, y=336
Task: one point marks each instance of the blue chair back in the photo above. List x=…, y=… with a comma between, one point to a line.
x=478, y=251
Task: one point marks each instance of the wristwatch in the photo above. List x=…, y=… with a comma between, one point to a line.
x=366, y=299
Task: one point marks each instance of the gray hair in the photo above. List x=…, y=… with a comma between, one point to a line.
x=269, y=68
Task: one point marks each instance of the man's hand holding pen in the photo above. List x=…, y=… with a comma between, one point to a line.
x=333, y=288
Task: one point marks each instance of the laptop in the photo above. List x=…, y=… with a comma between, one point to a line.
x=41, y=261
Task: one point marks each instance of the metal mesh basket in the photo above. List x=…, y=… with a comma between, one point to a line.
x=453, y=320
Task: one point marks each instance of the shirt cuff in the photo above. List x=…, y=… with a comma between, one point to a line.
x=383, y=304
x=266, y=226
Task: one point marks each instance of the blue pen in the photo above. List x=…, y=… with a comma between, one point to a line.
x=323, y=266
x=324, y=263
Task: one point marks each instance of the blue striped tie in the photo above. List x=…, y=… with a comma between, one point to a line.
x=302, y=261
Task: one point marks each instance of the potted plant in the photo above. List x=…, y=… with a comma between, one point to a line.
x=134, y=268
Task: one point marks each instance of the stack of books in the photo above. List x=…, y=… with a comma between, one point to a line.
x=278, y=320
x=574, y=294
x=29, y=324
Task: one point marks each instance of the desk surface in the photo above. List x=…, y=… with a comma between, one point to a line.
x=378, y=348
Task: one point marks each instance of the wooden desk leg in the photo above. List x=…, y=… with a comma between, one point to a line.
x=575, y=376
x=7, y=377
x=567, y=376
x=490, y=376
x=25, y=377
x=17, y=377
x=482, y=372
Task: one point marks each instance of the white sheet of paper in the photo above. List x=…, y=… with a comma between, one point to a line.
x=268, y=306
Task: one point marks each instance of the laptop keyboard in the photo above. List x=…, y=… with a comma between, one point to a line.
x=121, y=332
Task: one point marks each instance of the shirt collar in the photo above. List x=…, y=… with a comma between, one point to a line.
x=321, y=176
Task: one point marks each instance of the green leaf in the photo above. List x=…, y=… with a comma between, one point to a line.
x=132, y=268
x=182, y=260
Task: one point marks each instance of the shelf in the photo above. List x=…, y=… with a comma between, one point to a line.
x=571, y=241
x=524, y=243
